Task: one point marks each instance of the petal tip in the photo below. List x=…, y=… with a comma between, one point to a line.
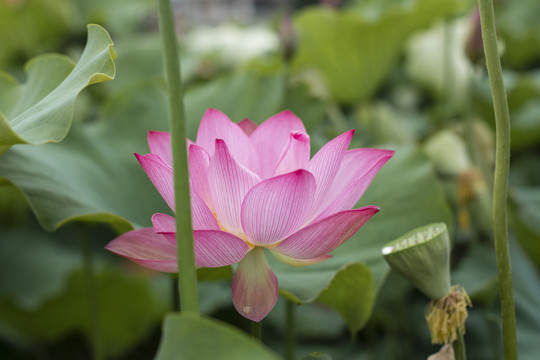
x=300, y=136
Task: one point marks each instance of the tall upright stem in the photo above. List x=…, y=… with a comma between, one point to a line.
x=187, y=277
x=459, y=348
x=92, y=296
x=256, y=330
x=291, y=330
x=500, y=186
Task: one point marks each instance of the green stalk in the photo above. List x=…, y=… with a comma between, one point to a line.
x=291, y=330
x=459, y=347
x=256, y=330
x=187, y=276
x=93, y=305
x=500, y=186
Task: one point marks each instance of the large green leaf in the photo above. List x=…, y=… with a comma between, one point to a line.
x=128, y=309
x=479, y=269
x=93, y=175
x=29, y=28
x=33, y=268
x=41, y=110
x=353, y=50
x=527, y=300
x=517, y=24
x=317, y=355
x=355, y=278
x=44, y=292
x=416, y=200
x=190, y=336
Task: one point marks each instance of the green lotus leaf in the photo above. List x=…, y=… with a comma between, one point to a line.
x=190, y=336
x=44, y=294
x=518, y=26
x=29, y=28
x=354, y=49
x=92, y=175
x=41, y=110
x=478, y=272
x=317, y=355
x=525, y=219
x=33, y=277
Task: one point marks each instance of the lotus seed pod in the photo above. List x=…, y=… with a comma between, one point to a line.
x=423, y=257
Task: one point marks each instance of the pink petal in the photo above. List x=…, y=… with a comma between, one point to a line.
x=229, y=183
x=271, y=137
x=276, y=207
x=199, y=160
x=254, y=286
x=216, y=125
x=358, y=168
x=146, y=248
x=321, y=237
x=325, y=164
x=248, y=126
x=213, y=248
x=295, y=155
x=160, y=174
x=159, y=143
x=163, y=223
x=201, y=218
x=300, y=262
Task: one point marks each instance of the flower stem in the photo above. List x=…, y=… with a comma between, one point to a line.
x=93, y=305
x=500, y=186
x=459, y=347
x=187, y=279
x=256, y=330
x=291, y=330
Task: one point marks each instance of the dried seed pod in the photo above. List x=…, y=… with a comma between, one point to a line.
x=446, y=317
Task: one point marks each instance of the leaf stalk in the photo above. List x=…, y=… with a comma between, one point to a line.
x=187, y=276
x=500, y=186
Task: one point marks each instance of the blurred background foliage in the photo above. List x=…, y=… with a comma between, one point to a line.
x=407, y=74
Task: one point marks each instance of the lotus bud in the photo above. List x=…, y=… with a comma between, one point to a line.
x=287, y=37
x=474, y=47
x=448, y=152
x=423, y=257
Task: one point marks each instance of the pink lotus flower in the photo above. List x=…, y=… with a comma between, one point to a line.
x=255, y=187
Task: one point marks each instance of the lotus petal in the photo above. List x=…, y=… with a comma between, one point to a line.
x=254, y=286
x=321, y=237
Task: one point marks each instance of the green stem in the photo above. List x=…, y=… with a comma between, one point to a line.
x=459, y=348
x=93, y=305
x=187, y=277
x=500, y=186
x=256, y=330
x=291, y=330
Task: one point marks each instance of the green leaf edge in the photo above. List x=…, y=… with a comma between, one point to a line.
x=12, y=137
x=117, y=223
x=241, y=338
x=353, y=328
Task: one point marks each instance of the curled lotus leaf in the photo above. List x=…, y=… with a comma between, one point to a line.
x=40, y=110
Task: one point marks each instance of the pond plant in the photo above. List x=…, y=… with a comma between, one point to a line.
x=310, y=184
